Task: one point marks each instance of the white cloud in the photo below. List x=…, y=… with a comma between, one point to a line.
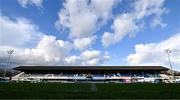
x=122, y=26
x=17, y=32
x=88, y=57
x=93, y=57
x=48, y=51
x=153, y=53
x=107, y=39
x=149, y=7
x=25, y=3
x=83, y=43
x=73, y=60
x=158, y=21
x=145, y=8
x=130, y=22
x=94, y=61
x=83, y=17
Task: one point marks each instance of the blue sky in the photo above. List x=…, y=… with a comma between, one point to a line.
x=90, y=32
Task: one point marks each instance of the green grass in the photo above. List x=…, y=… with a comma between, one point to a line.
x=83, y=90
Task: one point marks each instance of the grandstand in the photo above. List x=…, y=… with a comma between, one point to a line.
x=101, y=74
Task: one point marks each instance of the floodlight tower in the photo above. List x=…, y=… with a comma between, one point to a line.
x=168, y=51
x=10, y=52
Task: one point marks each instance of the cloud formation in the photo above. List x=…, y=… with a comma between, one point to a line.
x=153, y=53
x=50, y=51
x=18, y=32
x=88, y=57
x=130, y=22
x=33, y=47
x=25, y=3
x=82, y=17
x=83, y=43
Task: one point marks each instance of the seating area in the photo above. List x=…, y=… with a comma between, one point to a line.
x=116, y=77
x=119, y=74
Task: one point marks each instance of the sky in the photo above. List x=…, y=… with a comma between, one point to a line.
x=90, y=32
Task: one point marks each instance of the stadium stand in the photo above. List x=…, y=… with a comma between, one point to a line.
x=121, y=74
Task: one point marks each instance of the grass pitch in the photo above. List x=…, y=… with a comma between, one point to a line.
x=84, y=91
